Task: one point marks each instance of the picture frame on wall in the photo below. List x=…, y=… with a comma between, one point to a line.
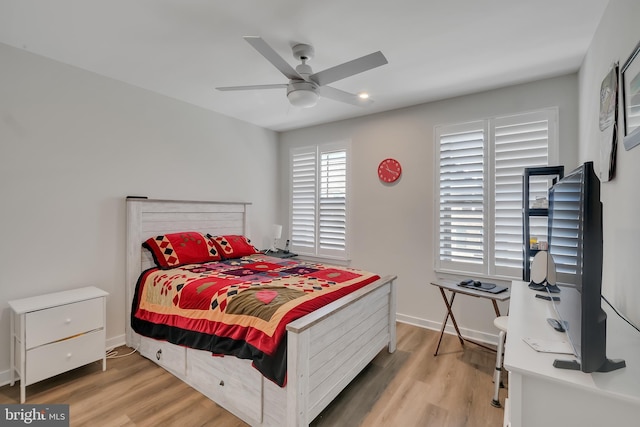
x=608, y=124
x=630, y=72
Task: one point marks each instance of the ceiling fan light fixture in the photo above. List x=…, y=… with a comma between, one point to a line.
x=302, y=94
x=305, y=86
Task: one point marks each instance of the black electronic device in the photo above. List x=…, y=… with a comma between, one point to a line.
x=547, y=297
x=575, y=242
x=482, y=286
x=476, y=284
x=280, y=253
x=557, y=325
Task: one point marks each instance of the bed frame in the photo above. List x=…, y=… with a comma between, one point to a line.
x=326, y=349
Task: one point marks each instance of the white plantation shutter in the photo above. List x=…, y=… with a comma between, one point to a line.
x=303, y=200
x=480, y=188
x=333, y=201
x=520, y=141
x=319, y=200
x=462, y=196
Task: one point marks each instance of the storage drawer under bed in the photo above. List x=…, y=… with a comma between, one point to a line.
x=231, y=382
x=169, y=356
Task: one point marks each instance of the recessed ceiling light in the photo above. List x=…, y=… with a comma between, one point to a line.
x=363, y=95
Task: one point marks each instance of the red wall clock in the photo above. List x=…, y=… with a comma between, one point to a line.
x=389, y=170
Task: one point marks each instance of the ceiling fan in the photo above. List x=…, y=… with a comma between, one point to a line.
x=304, y=85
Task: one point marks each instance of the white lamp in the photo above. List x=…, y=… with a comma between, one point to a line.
x=302, y=94
x=276, y=233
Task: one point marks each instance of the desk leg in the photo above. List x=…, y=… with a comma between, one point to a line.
x=495, y=308
x=449, y=304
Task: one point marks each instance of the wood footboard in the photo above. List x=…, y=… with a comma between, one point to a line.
x=329, y=347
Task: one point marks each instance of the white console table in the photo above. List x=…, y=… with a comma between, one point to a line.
x=541, y=395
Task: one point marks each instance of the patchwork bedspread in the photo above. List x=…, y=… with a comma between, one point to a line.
x=238, y=307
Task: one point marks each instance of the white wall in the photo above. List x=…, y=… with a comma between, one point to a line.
x=615, y=39
x=74, y=144
x=393, y=226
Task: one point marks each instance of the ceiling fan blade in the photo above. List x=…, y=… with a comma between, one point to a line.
x=252, y=87
x=342, y=96
x=348, y=69
x=272, y=56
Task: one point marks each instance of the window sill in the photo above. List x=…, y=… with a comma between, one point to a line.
x=321, y=259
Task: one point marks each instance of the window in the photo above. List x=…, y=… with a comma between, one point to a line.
x=319, y=211
x=480, y=189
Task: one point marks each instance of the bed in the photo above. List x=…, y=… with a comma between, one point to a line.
x=346, y=334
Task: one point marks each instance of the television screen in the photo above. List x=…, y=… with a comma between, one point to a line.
x=575, y=243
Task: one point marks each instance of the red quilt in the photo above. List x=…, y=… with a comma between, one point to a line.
x=238, y=307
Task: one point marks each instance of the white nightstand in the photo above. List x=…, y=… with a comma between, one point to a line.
x=54, y=333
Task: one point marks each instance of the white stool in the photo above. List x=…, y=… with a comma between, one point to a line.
x=500, y=323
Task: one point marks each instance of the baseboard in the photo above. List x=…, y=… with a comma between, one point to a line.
x=117, y=341
x=5, y=377
x=471, y=334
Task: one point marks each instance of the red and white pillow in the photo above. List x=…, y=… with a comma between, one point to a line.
x=176, y=249
x=233, y=246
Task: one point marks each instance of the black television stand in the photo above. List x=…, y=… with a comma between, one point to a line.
x=608, y=366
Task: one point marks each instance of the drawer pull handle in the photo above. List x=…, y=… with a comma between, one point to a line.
x=222, y=383
x=67, y=321
x=68, y=355
x=159, y=354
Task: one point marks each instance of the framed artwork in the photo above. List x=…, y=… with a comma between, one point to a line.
x=631, y=99
x=608, y=126
x=608, y=92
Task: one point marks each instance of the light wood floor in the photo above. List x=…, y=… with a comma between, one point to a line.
x=408, y=388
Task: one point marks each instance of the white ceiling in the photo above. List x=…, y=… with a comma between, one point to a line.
x=185, y=48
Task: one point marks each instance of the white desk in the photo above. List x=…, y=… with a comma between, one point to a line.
x=541, y=395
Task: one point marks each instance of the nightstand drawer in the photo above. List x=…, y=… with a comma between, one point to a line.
x=53, y=359
x=52, y=324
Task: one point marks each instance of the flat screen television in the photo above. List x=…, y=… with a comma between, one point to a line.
x=575, y=243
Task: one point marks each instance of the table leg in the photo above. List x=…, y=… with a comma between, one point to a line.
x=449, y=304
x=495, y=308
x=453, y=319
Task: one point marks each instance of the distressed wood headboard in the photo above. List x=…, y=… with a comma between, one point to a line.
x=148, y=217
